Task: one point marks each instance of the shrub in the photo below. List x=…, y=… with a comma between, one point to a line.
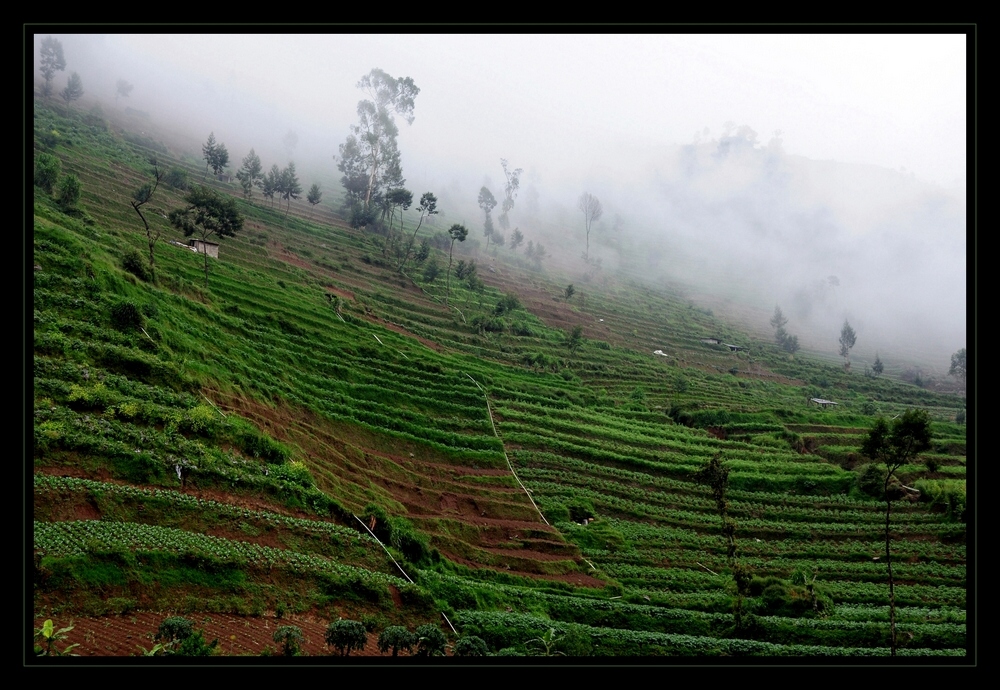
x=396, y=638
x=431, y=271
x=290, y=638
x=47, y=169
x=69, y=192
x=175, y=629
x=430, y=640
x=508, y=303
x=195, y=645
x=581, y=509
x=470, y=645
x=125, y=315
x=176, y=178
x=133, y=262
x=346, y=636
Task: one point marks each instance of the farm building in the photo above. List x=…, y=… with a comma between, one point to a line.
x=205, y=247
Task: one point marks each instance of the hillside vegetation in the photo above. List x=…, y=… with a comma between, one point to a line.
x=315, y=435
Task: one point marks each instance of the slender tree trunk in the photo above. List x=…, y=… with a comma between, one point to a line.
x=152, y=266
x=888, y=562
x=448, y=293
x=409, y=247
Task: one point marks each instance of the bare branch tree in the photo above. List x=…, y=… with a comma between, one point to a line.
x=592, y=211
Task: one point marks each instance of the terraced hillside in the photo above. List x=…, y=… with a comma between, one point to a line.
x=317, y=435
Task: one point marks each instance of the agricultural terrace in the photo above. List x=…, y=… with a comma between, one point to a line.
x=317, y=434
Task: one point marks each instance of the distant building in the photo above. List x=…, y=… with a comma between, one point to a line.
x=822, y=403
x=205, y=247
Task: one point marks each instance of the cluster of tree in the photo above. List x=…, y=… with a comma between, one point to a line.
x=369, y=159
x=177, y=636
x=958, y=365
x=346, y=636
x=277, y=182
x=535, y=254
x=53, y=60
x=487, y=202
x=788, y=343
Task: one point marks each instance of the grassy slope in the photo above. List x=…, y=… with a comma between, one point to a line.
x=274, y=403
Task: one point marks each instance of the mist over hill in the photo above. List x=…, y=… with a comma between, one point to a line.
x=754, y=219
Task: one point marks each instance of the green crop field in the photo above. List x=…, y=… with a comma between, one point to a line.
x=314, y=433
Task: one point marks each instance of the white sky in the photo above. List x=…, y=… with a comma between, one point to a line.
x=897, y=101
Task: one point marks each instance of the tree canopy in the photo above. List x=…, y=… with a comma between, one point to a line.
x=487, y=202
x=289, y=186
x=457, y=233
x=958, y=365
x=207, y=214
x=847, y=339
x=122, y=89
x=894, y=445
x=249, y=173
x=513, y=182
x=897, y=443
x=371, y=148
x=73, y=90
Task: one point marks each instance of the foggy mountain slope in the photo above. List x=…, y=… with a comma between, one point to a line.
x=825, y=240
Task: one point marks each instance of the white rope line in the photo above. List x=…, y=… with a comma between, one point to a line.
x=384, y=345
x=449, y=623
x=383, y=546
x=213, y=405
x=527, y=492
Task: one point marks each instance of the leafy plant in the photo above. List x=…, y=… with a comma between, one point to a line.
x=545, y=644
x=430, y=640
x=133, y=262
x=290, y=638
x=177, y=178
x=125, y=314
x=49, y=637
